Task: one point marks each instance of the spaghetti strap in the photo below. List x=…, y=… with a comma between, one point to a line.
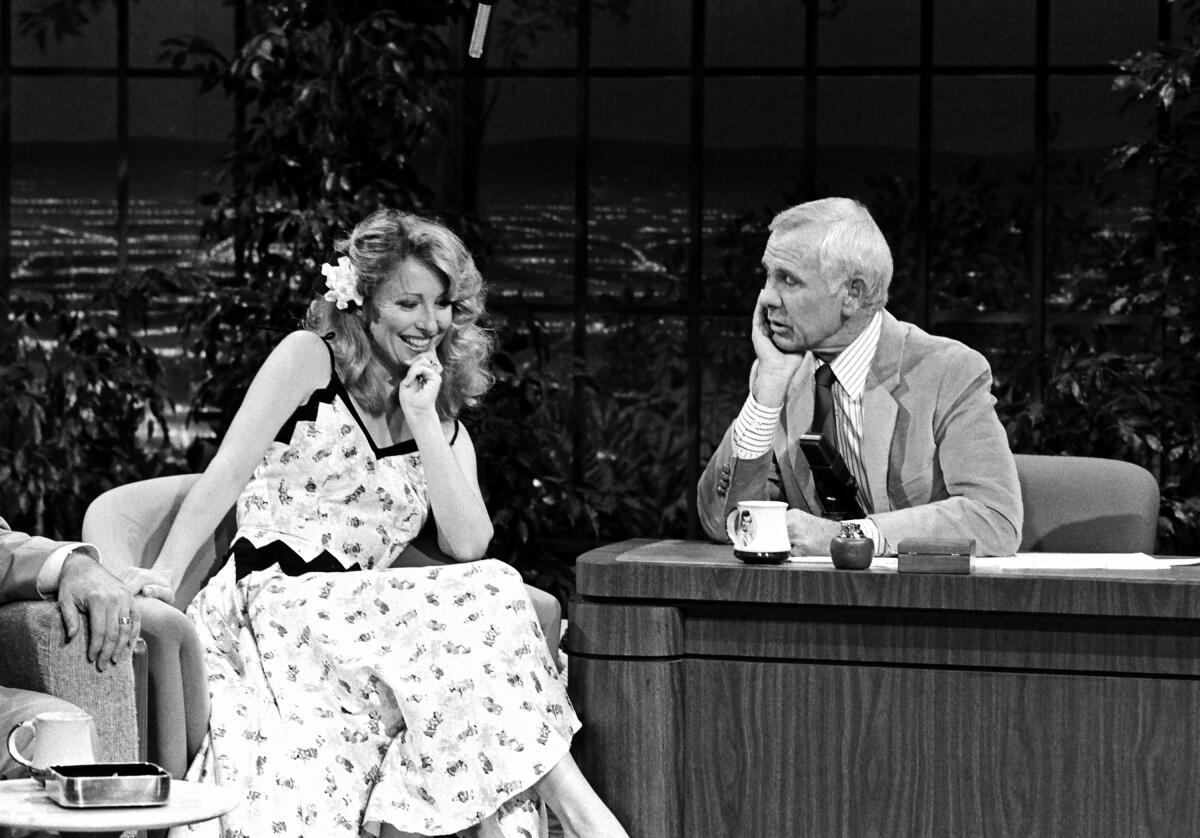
x=325, y=339
x=453, y=438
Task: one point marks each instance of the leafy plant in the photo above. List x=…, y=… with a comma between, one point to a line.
x=80, y=412
x=1156, y=271
x=339, y=98
x=632, y=481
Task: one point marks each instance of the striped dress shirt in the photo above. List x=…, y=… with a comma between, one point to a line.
x=851, y=367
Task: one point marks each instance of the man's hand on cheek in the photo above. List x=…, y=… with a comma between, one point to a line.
x=810, y=535
x=775, y=367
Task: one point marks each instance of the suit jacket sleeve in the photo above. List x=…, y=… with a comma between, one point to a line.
x=21, y=557
x=728, y=479
x=972, y=490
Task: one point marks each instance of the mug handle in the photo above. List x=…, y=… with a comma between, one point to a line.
x=12, y=745
x=733, y=523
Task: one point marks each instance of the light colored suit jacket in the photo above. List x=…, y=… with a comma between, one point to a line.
x=21, y=557
x=937, y=459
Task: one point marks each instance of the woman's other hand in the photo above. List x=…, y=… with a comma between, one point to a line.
x=419, y=388
x=151, y=583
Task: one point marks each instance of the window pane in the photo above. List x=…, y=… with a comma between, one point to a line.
x=880, y=32
x=523, y=433
x=753, y=167
x=96, y=46
x=654, y=34
x=983, y=32
x=727, y=357
x=1100, y=31
x=874, y=161
x=982, y=198
x=1007, y=344
x=177, y=141
x=539, y=345
x=639, y=202
x=1088, y=218
x=152, y=23
x=532, y=34
x=853, y=151
x=64, y=169
x=769, y=33
x=527, y=189
x=636, y=440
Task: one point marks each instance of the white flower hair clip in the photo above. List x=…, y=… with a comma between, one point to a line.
x=342, y=281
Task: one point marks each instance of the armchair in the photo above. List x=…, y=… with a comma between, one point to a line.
x=129, y=525
x=38, y=657
x=1086, y=505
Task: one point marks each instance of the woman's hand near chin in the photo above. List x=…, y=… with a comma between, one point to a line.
x=417, y=392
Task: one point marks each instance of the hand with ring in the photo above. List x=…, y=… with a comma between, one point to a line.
x=418, y=390
x=87, y=590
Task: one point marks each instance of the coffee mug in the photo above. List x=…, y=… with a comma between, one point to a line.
x=59, y=738
x=758, y=530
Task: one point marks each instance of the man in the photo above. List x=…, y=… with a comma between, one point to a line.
x=911, y=414
x=32, y=567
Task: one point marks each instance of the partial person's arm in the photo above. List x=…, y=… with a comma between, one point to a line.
x=729, y=478
x=289, y=376
x=33, y=567
x=452, y=483
x=22, y=558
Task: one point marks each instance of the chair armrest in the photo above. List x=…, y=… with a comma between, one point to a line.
x=38, y=657
x=177, y=698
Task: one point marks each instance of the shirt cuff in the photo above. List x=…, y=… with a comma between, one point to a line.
x=871, y=531
x=51, y=572
x=754, y=429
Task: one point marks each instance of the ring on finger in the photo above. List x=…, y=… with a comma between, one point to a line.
x=126, y=620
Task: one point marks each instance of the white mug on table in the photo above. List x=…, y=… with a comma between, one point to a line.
x=59, y=738
x=758, y=530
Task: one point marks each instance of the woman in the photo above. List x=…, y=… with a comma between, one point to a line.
x=348, y=695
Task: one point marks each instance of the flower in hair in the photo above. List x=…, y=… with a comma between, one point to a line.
x=342, y=281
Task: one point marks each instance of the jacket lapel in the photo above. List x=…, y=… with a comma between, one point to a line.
x=879, y=410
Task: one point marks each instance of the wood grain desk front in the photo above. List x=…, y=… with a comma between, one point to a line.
x=723, y=700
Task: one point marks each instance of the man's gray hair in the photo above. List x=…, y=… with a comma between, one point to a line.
x=852, y=247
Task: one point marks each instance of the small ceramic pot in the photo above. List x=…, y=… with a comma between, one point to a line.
x=852, y=552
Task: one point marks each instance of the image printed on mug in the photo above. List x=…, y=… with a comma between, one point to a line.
x=748, y=528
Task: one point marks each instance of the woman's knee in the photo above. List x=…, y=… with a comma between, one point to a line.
x=549, y=616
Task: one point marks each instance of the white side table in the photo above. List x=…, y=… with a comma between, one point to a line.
x=24, y=804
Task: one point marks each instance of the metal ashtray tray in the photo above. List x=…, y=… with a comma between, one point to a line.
x=107, y=784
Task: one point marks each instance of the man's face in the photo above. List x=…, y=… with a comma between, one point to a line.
x=801, y=309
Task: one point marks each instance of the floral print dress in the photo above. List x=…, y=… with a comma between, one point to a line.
x=420, y=697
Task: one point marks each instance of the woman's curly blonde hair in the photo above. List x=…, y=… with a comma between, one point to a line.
x=376, y=248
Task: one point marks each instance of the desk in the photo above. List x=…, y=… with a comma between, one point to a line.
x=721, y=699
x=24, y=804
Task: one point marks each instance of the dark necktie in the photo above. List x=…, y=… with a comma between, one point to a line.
x=823, y=404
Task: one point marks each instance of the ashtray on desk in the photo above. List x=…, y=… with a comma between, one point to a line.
x=99, y=784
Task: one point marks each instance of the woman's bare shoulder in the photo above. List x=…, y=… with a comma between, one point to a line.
x=303, y=358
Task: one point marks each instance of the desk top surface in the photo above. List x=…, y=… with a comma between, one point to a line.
x=675, y=570
x=24, y=804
